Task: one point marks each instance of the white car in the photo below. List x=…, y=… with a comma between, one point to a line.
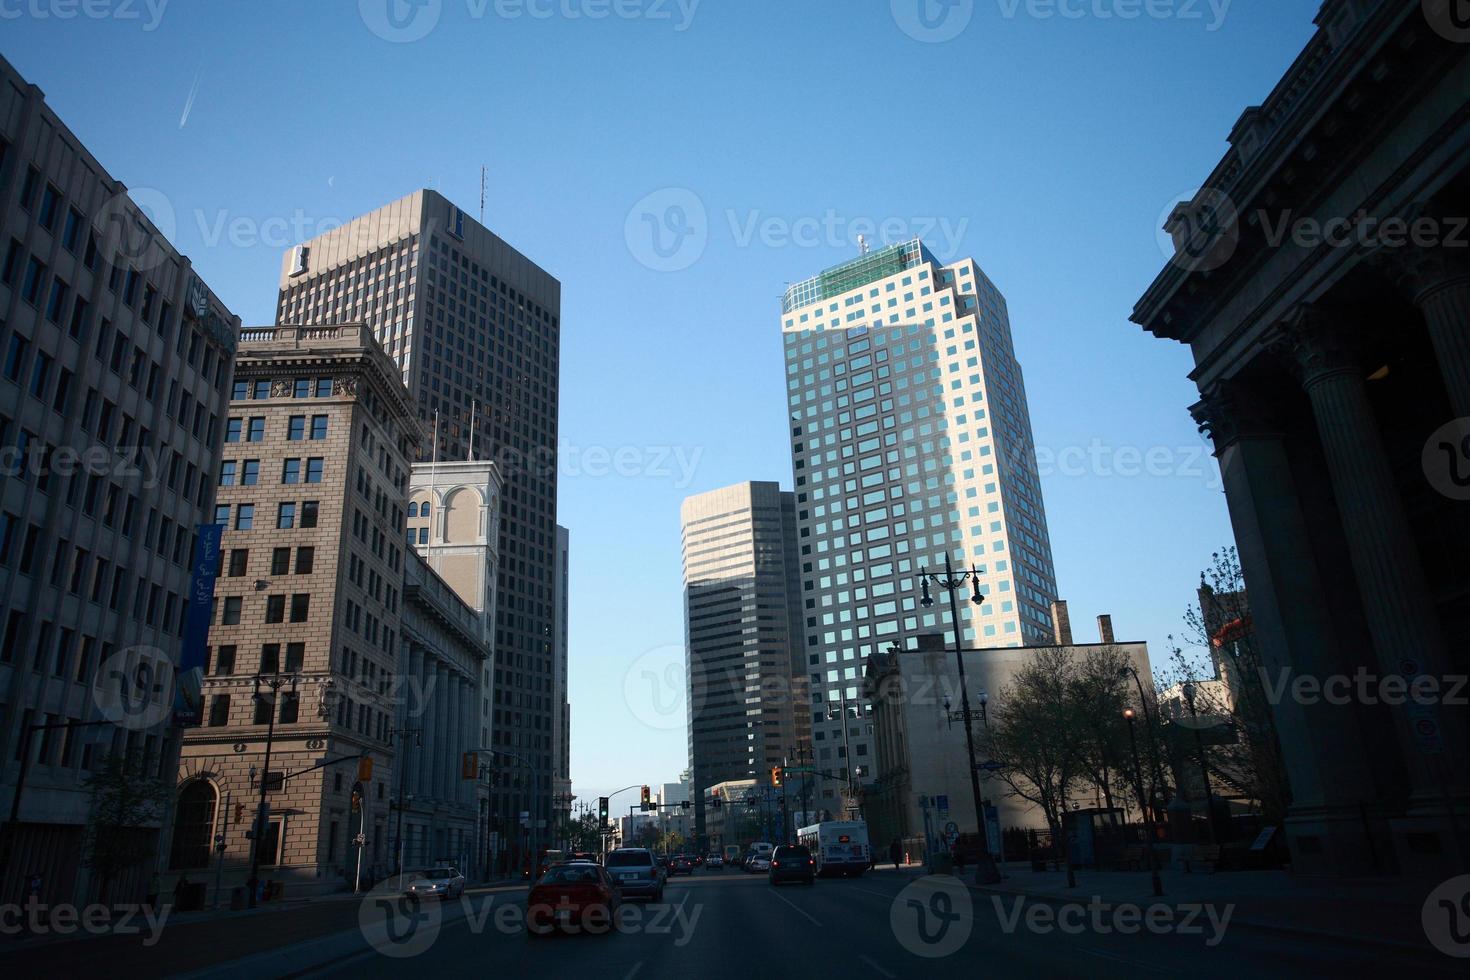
x=436, y=883
x=759, y=864
x=714, y=861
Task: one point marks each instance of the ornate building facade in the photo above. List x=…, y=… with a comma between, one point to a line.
x=1320, y=281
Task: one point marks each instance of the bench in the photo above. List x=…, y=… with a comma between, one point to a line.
x=1203, y=854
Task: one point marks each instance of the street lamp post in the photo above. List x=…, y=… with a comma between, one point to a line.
x=950, y=583
x=1204, y=769
x=1148, y=820
x=1153, y=734
x=275, y=683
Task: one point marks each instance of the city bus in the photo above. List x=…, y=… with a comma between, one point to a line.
x=839, y=847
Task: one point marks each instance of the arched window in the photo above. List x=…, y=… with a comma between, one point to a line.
x=194, y=825
x=413, y=509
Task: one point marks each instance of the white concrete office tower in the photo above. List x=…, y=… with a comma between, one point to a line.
x=475, y=328
x=115, y=362
x=742, y=635
x=910, y=441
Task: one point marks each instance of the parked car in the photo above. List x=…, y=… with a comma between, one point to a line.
x=681, y=864
x=636, y=873
x=441, y=882
x=792, y=862
x=573, y=893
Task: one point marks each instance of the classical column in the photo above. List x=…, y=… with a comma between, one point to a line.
x=456, y=745
x=1438, y=283
x=1321, y=744
x=424, y=771
x=441, y=729
x=1394, y=595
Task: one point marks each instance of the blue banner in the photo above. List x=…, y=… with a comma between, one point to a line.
x=189, y=700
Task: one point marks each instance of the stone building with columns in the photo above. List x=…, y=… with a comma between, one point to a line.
x=1320, y=279
x=445, y=816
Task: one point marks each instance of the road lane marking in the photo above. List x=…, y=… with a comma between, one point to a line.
x=634, y=972
x=1121, y=959
x=798, y=908
x=869, y=960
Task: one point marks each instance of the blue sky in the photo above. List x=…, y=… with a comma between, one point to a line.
x=1046, y=146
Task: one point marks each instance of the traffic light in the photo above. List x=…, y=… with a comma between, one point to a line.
x=776, y=776
x=602, y=811
x=646, y=800
x=469, y=767
x=686, y=804
x=365, y=769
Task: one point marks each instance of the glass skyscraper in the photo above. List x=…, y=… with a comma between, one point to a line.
x=910, y=441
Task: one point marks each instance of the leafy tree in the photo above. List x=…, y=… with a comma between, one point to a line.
x=127, y=807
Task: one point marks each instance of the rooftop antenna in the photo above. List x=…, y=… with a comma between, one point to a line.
x=482, y=194
x=862, y=244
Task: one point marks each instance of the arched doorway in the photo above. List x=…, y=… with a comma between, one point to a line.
x=194, y=825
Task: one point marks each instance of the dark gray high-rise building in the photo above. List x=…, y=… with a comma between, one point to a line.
x=115, y=362
x=742, y=619
x=475, y=328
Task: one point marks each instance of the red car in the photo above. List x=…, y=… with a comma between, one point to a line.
x=573, y=894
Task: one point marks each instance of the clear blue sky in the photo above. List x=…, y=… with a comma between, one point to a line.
x=1054, y=144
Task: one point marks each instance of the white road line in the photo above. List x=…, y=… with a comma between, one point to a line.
x=798, y=908
x=634, y=972
x=869, y=960
x=1135, y=964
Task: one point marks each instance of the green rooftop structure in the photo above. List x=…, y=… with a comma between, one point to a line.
x=854, y=273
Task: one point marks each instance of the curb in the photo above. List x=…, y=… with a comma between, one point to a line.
x=308, y=955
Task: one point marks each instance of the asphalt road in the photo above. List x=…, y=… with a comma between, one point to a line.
x=884, y=924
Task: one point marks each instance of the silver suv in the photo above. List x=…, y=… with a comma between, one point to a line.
x=635, y=872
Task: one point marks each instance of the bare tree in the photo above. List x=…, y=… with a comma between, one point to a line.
x=1249, y=763
x=1032, y=734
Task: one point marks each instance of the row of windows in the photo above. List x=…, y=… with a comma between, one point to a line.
x=297, y=388
x=288, y=515
x=252, y=429
x=238, y=563
x=229, y=610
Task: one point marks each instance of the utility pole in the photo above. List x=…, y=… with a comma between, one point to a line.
x=418, y=736
x=275, y=683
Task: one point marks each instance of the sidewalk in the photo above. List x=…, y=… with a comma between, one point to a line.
x=1375, y=911
x=192, y=941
